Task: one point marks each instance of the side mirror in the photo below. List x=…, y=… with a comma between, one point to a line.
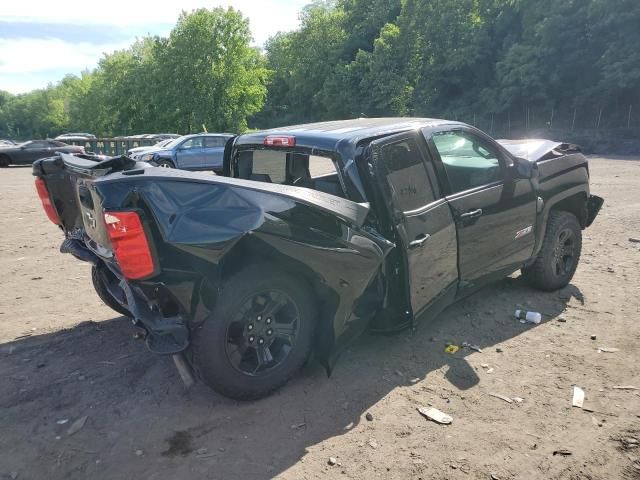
x=523, y=168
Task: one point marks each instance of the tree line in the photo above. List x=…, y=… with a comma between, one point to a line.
x=349, y=58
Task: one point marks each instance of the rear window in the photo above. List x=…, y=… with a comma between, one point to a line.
x=270, y=165
x=287, y=168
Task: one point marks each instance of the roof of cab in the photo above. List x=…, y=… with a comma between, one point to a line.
x=326, y=135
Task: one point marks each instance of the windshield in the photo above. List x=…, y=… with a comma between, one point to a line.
x=176, y=141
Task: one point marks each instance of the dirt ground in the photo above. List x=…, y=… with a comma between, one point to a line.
x=65, y=356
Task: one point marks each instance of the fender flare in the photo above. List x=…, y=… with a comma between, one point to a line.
x=548, y=204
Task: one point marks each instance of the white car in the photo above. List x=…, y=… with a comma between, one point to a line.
x=137, y=151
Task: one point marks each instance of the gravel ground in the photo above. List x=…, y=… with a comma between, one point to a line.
x=65, y=358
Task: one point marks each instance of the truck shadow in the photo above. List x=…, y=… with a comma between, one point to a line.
x=136, y=405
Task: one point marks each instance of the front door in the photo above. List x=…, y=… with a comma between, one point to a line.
x=495, y=212
x=422, y=220
x=190, y=154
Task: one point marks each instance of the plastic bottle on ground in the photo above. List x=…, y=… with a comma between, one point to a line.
x=529, y=317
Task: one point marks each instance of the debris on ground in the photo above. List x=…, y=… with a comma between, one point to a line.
x=517, y=399
x=608, y=349
x=451, y=349
x=501, y=397
x=139, y=453
x=435, y=415
x=487, y=368
x=369, y=417
x=77, y=425
x=62, y=421
x=295, y=426
x=593, y=337
x=634, y=240
x=332, y=461
x=373, y=443
x=564, y=452
x=625, y=387
x=499, y=350
x=528, y=317
x=562, y=320
x=578, y=397
x=472, y=347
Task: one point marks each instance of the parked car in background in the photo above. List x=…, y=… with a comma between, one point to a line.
x=202, y=151
x=75, y=136
x=137, y=151
x=28, y=152
x=6, y=143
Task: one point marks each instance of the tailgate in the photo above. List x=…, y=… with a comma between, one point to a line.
x=70, y=183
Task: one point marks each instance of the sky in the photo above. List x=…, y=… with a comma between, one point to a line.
x=43, y=40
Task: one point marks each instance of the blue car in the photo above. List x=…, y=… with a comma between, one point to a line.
x=202, y=151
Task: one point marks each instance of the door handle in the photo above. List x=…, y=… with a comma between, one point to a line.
x=419, y=241
x=471, y=214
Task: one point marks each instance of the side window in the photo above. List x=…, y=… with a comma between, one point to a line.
x=407, y=175
x=468, y=160
x=214, y=142
x=192, y=143
x=35, y=145
x=321, y=166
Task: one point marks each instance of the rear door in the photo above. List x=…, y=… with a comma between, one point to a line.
x=421, y=218
x=190, y=154
x=214, y=152
x=494, y=212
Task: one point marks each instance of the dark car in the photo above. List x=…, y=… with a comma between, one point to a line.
x=28, y=152
x=202, y=151
x=317, y=233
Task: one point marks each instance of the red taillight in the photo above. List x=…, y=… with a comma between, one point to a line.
x=279, y=141
x=49, y=209
x=129, y=243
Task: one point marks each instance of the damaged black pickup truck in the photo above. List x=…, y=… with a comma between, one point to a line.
x=315, y=233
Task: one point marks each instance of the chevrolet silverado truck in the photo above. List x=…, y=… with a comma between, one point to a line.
x=313, y=234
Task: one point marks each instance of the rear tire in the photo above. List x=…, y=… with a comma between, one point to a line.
x=165, y=163
x=258, y=335
x=558, y=258
x=4, y=161
x=99, y=277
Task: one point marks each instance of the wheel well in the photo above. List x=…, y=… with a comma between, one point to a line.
x=324, y=297
x=576, y=204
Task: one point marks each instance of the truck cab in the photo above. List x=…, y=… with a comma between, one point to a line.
x=459, y=207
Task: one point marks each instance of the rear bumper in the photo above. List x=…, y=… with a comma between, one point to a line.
x=166, y=334
x=594, y=204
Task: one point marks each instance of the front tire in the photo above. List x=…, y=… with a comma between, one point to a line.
x=558, y=258
x=165, y=163
x=258, y=335
x=101, y=277
x=4, y=161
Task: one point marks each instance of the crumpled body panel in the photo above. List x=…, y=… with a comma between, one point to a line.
x=204, y=227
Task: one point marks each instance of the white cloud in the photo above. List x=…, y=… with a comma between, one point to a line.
x=30, y=55
x=27, y=63
x=266, y=16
